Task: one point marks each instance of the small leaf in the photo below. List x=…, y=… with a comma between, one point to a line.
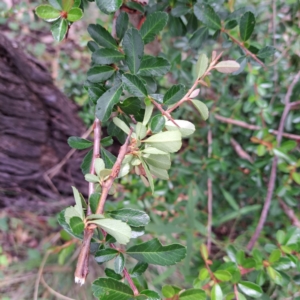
x=130, y=105
x=78, y=205
x=154, y=66
x=76, y=225
x=247, y=24
x=100, y=73
x=93, y=201
x=204, y=252
x=168, y=291
x=108, y=158
x=203, y=274
x=296, y=177
x=157, y=123
x=186, y=128
x=118, y=229
x=47, y=12
x=107, y=141
x=159, y=172
x=134, y=85
x=101, y=36
x=91, y=178
x=227, y=66
x=154, y=23
x=266, y=52
x=158, y=160
x=169, y=141
x=275, y=256
x=106, y=56
x=67, y=5
x=149, y=176
x=112, y=274
x=250, y=289
x=222, y=275
x=139, y=269
x=133, y=47
x=153, y=252
x=202, y=108
x=86, y=163
x=121, y=124
x=109, y=6
x=280, y=236
x=59, y=29
x=151, y=295
x=194, y=93
x=216, y=293
x=193, y=294
x=56, y=4
x=148, y=113
x=174, y=94
x=152, y=150
x=108, y=289
x=74, y=14
x=107, y=101
x=206, y=14
x=119, y=263
x=201, y=66
x=132, y=217
x=199, y=37
x=121, y=24
x=79, y=143
x=99, y=165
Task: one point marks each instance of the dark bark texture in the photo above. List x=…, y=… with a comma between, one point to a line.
x=35, y=121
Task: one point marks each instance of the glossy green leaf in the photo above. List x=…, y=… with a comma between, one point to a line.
x=101, y=36
x=148, y=113
x=199, y=37
x=47, y=12
x=154, y=66
x=216, y=293
x=202, y=108
x=111, y=289
x=74, y=14
x=107, y=101
x=201, y=66
x=65, y=225
x=134, y=85
x=79, y=143
x=168, y=291
x=121, y=124
x=67, y=5
x=154, y=23
x=203, y=274
x=296, y=177
x=222, y=275
x=112, y=274
x=93, y=201
x=95, y=93
x=76, y=225
x=100, y=73
x=174, y=94
x=168, y=141
x=116, y=228
x=250, y=289
x=192, y=294
x=227, y=66
x=109, y=6
x=280, y=236
x=86, y=162
x=119, y=263
x=186, y=128
x=133, y=47
x=275, y=256
x=106, y=56
x=153, y=252
x=247, y=24
x=78, y=203
x=130, y=105
x=59, y=29
x=56, y=4
x=121, y=24
x=139, y=269
x=109, y=159
x=204, y=251
x=132, y=217
x=157, y=123
x=206, y=14
x=151, y=295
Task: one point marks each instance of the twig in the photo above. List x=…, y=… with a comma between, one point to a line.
x=81, y=271
x=236, y=293
x=254, y=127
x=164, y=113
x=244, y=48
x=272, y=180
x=131, y=283
x=240, y=151
x=290, y=213
x=209, y=195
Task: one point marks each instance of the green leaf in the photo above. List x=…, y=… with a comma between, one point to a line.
x=250, y=289
x=121, y=124
x=159, y=172
x=139, y=269
x=109, y=6
x=168, y=141
x=148, y=114
x=133, y=47
x=154, y=23
x=247, y=24
x=91, y=178
x=63, y=223
x=93, y=201
x=186, y=128
x=275, y=275
x=111, y=289
x=59, y=29
x=216, y=293
x=130, y=105
x=154, y=66
x=153, y=252
x=193, y=294
x=206, y=14
x=275, y=256
x=158, y=160
x=119, y=263
x=222, y=275
x=105, y=255
x=76, y=225
x=100, y=73
x=133, y=217
x=71, y=212
x=112, y=274
x=74, y=14
x=121, y=24
x=107, y=141
x=67, y=5
x=201, y=66
x=56, y=4
x=266, y=52
x=99, y=165
x=134, y=85
x=174, y=94
x=118, y=229
x=78, y=205
x=230, y=200
x=168, y=291
x=109, y=159
x=151, y=295
x=152, y=150
x=107, y=101
x=79, y=143
x=296, y=177
x=280, y=236
x=102, y=37
x=86, y=163
x=227, y=66
x=202, y=108
x=157, y=123
x=199, y=37
x=95, y=93
x=204, y=251
x=148, y=174
x=203, y=274
x=47, y=12
x=106, y=56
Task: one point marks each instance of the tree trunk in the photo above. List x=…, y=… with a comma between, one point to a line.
x=35, y=121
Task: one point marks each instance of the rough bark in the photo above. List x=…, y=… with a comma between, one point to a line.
x=35, y=121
